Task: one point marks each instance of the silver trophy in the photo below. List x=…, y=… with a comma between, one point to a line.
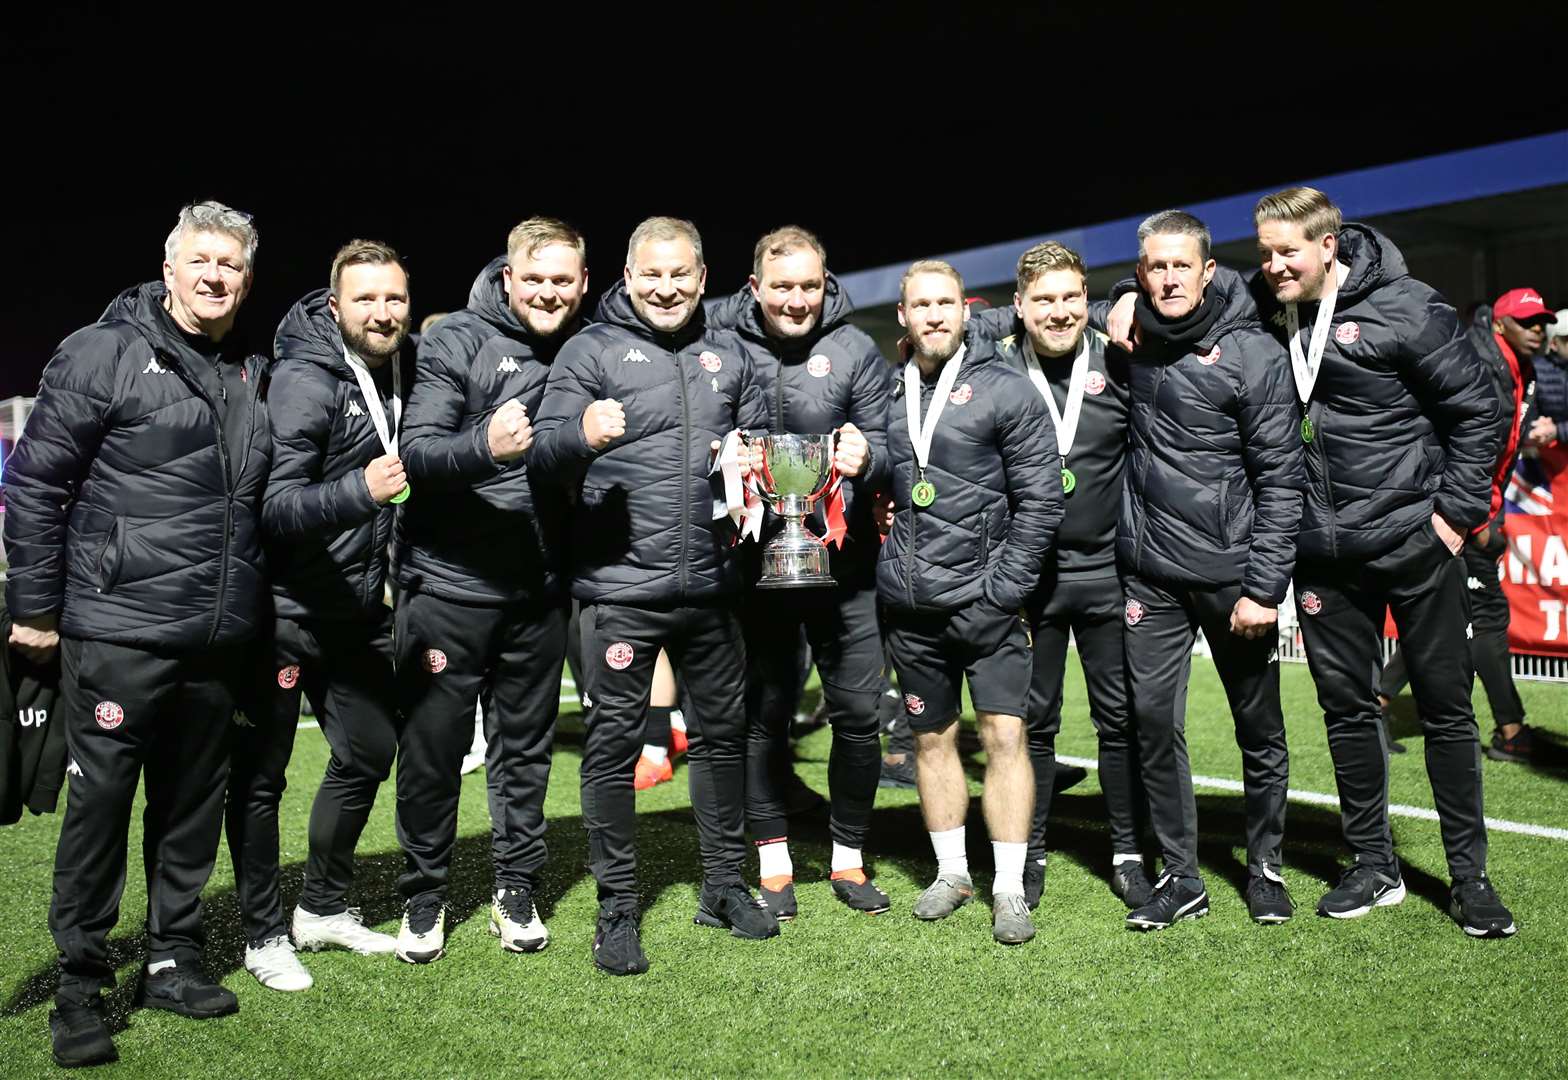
x=796, y=470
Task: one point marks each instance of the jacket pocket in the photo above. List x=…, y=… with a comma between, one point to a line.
x=112, y=556
x=985, y=540
x=1224, y=509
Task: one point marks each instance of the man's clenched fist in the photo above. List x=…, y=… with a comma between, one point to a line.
x=384, y=477
x=852, y=451
x=603, y=421
x=36, y=639
x=510, y=432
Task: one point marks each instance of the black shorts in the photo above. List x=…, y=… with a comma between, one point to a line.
x=933, y=652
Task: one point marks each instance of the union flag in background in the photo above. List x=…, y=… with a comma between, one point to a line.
x=1535, y=568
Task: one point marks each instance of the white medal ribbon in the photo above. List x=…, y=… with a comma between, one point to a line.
x=372, y=396
x=920, y=436
x=1306, y=365
x=1066, y=424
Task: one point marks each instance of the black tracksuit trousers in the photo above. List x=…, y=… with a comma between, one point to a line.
x=345, y=669
x=132, y=715
x=1091, y=612
x=620, y=645
x=446, y=652
x=1341, y=607
x=846, y=645
x=1162, y=625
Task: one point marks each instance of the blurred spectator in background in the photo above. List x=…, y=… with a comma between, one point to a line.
x=1549, y=421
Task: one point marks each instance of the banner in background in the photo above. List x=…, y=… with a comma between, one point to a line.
x=1535, y=568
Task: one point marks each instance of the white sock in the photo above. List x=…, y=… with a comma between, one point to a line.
x=655, y=754
x=846, y=858
x=951, y=857
x=677, y=720
x=153, y=969
x=1009, y=867
x=774, y=860
x=1117, y=860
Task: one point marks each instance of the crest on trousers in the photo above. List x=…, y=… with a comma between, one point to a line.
x=1094, y=383
x=818, y=366
x=1311, y=602
x=288, y=676
x=1134, y=611
x=619, y=656
x=435, y=661
x=1347, y=333
x=914, y=705
x=109, y=715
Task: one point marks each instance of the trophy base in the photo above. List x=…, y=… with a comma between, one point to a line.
x=789, y=563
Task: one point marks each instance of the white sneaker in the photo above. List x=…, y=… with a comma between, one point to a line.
x=345, y=930
x=422, y=937
x=275, y=965
x=515, y=920
x=473, y=761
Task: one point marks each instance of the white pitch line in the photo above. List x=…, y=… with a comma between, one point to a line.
x=1318, y=798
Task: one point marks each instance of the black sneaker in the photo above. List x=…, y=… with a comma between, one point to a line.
x=617, y=949
x=1068, y=776
x=859, y=894
x=734, y=907
x=1361, y=888
x=1476, y=908
x=1268, y=901
x=1034, y=882
x=80, y=1035
x=1519, y=749
x=1174, y=899
x=186, y=989
x=1130, y=881
x=780, y=901
x=900, y=774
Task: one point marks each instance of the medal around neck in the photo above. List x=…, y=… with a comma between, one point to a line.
x=923, y=494
x=796, y=471
x=1069, y=481
x=1307, y=430
x=402, y=496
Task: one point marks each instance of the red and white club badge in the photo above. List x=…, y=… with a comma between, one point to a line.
x=619, y=656
x=288, y=676
x=1211, y=357
x=109, y=715
x=914, y=705
x=1347, y=333
x=818, y=366
x=1094, y=383
x=710, y=361
x=962, y=394
x=1134, y=612
x=435, y=661
x=1311, y=602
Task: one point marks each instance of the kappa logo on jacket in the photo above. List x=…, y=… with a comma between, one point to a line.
x=508, y=364
x=635, y=356
x=73, y=769
x=154, y=368
x=354, y=409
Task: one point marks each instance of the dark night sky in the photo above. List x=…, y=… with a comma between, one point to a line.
x=1025, y=121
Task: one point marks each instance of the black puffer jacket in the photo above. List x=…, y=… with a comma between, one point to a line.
x=814, y=384
x=1404, y=415
x=998, y=485
x=326, y=538
x=1214, y=470
x=475, y=530
x=126, y=513
x=642, y=529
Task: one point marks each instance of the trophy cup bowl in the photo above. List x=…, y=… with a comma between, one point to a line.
x=796, y=470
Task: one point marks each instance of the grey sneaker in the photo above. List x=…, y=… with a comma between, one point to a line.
x=1010, y=919
x=945, y=895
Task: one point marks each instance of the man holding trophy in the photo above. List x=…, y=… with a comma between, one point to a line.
x=818, y=374
x=632, y=406
x=977, y=498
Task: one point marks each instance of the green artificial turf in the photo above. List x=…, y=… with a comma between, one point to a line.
x=1401, y=992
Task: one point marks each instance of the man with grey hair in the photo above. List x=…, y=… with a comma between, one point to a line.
x=132, y=526
x=634, y=404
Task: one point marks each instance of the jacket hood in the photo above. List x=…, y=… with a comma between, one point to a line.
x=1373, y=260
x=487, y=298
x=309, y=332
x=741, y=312
x=615, y=308
x=142, y=306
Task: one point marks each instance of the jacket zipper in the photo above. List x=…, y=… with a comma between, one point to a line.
x=228, y=491
x=1143, y=474
x=1328, y=482
x=680, y=383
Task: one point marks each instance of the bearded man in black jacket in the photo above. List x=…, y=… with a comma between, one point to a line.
x=1400, y=424
x=338, y=385
x=132, y=525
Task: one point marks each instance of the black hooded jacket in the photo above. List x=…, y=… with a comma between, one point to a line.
x=642, y=528
x=998, y=481
x=1214, y=482
x=814, y=384
x=475, y=530
x=326, y=538
x=128, y=512
x=1405, y=418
